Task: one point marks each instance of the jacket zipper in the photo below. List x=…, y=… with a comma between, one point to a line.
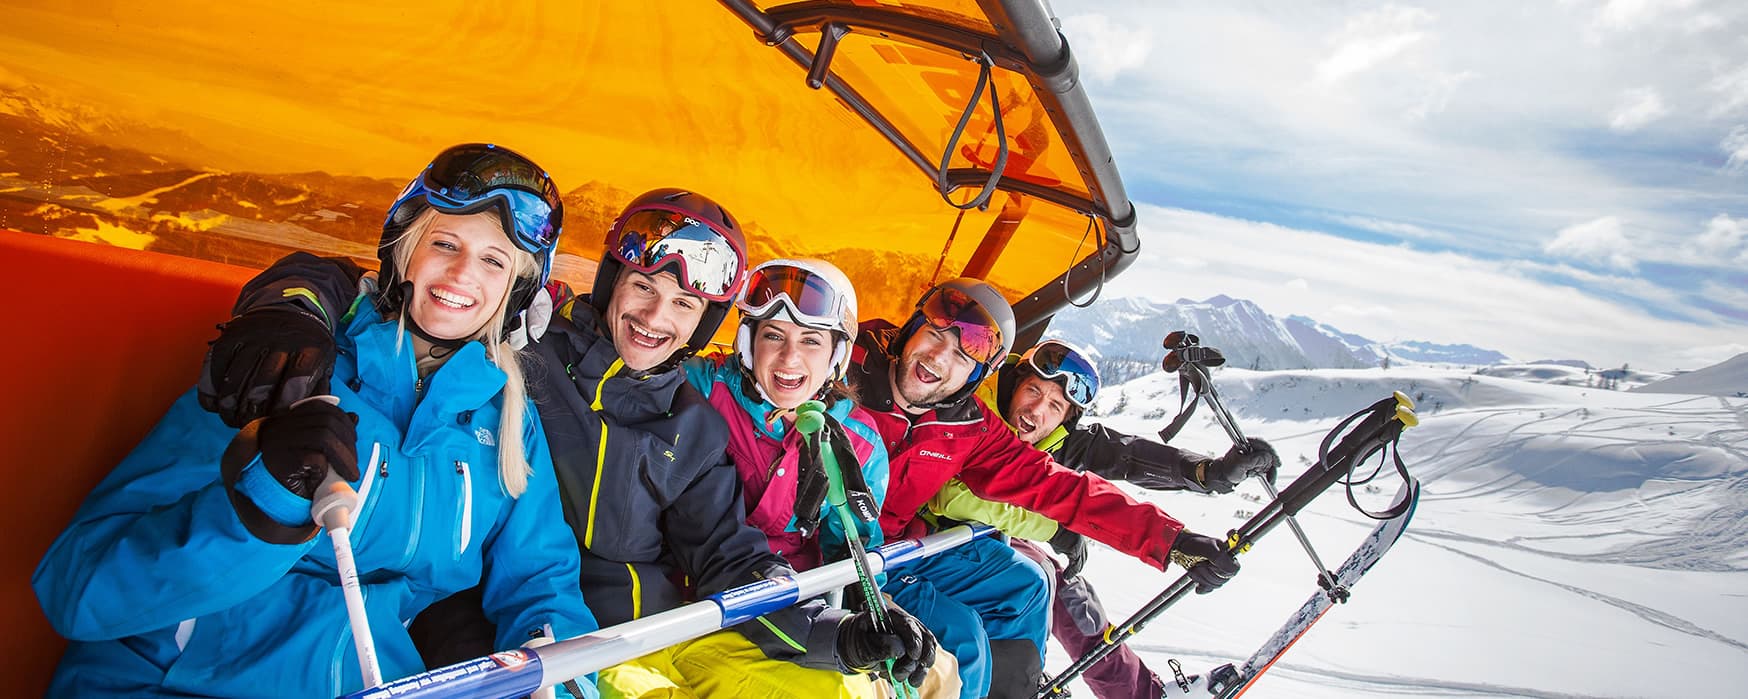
x=600, y=453
x=365, y=485
x=466, y=508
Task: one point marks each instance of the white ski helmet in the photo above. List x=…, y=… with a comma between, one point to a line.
x=808, y=292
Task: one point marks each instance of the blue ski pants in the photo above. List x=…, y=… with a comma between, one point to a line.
x=982, y=590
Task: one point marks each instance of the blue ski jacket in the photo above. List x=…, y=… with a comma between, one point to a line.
x=165, y=593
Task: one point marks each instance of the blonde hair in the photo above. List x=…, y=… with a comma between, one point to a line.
x=513, y=468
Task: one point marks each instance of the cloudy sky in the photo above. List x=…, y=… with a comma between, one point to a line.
x=1560, y=179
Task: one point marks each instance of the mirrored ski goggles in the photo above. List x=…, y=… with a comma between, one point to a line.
x=1056, y=360
x=811, y=298
x=709, y=263
x=946, y=308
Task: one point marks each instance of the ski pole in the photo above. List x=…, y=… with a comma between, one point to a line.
x=1204, y=385
x=1228, y=682
x=519, y=672
x=810, y=420
x=332, y=509
x=1373, y=428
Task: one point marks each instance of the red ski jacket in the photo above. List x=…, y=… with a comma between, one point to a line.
x=969, y=441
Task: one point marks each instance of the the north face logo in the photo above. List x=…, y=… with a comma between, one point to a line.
x=484, y=436
x=934, y=455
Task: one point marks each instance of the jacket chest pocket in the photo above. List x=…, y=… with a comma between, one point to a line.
x=430, y=508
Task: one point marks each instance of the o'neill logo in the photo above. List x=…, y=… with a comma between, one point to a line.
x=934, y=455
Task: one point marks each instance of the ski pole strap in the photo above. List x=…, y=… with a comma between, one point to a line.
x=844, y=487
x=1189, y=360
x=1183, y=411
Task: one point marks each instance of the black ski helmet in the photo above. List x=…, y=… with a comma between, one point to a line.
x=467, y=179
x=686, y=231
x=982, y=317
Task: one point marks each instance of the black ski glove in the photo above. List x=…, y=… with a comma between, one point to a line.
x=812, y=484
x=299, y=446
x=910, y=646
x=263, y=361
x=1205, y=558
x=1225, y=473
x=1073, y=546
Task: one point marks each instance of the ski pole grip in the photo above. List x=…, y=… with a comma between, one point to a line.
x=810, y=417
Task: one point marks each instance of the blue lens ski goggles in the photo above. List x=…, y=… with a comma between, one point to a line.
x=1054, y=359
x=473, y=177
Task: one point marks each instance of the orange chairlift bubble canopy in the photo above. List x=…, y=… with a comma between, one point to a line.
x=244, y=130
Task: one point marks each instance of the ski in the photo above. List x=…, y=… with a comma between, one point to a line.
x=1229, y=682
x=1373, y=430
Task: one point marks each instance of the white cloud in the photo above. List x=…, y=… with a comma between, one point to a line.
x=1396, y=228
x=1732, y=90
x=1298, y=283
x=1600, y=241
x=1432, y=296
x=1436, y=93
x=1726, y=294
x=1736, y=145
x=1638, y=107
x=1104, y=49
x=1631, y=15
x=1724, y=238
x=1342, y=309
x=1372, y=38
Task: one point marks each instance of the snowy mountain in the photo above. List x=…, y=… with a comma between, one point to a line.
x=1125, y=334
x=1555, y=526
x=1413, y=351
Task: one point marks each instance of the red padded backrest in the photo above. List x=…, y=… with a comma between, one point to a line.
x=100, y=341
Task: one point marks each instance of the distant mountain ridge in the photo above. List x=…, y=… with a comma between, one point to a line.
x=1125, y=336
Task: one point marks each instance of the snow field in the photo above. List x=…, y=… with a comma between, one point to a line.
x=1570, y=542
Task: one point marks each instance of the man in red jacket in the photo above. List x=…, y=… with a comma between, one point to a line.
x=985, y=602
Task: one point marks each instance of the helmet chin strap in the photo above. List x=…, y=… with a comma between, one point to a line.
x=406, y=293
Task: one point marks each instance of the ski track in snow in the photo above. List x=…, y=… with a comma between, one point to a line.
x=1710, y=542
x=1740, y=412
x=1666, y=620
x=1367, y=684
x=1512, y=469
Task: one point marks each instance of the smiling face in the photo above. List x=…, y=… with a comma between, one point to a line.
x=650, y=317
x=790, y=362
x=1037, y=407
x=931, y=368
x=461, y=270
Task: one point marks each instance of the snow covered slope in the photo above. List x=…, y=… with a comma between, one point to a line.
x=1728, y=378
x=1571, y=542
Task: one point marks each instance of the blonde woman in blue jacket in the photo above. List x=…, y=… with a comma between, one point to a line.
x=177, y=580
